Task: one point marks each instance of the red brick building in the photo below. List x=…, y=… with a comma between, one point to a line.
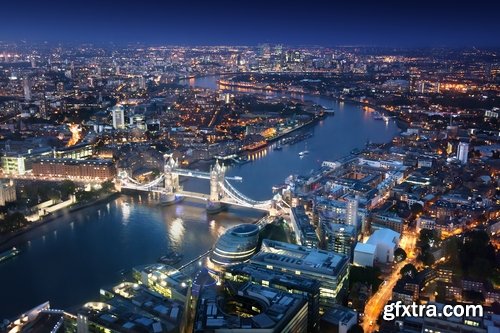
x=70, y=168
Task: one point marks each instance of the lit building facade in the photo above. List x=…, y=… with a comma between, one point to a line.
x=235, y=246
x=331, y=269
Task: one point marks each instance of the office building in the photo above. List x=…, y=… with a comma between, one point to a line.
x=235, y=246
x=339, y=319
x=20, y=161
x=165, y=280
x=250, y=308
x=305, y=232
x=331, y=269
x=130, y=309
x=77, y=152
x=340, y=238
x=294, y=284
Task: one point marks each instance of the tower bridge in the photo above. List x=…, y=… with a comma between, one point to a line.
x=221, y=190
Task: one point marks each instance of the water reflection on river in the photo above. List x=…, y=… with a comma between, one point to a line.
x=68, y=260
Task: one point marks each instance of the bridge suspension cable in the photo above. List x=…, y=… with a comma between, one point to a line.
x=230, y=190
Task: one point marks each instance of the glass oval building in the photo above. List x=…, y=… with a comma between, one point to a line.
x=236, y=245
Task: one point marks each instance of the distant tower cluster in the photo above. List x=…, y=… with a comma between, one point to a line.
x=463, y=152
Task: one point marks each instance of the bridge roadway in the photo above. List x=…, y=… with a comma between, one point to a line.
x=200, y=174
x=230, y=194
x=203, y=196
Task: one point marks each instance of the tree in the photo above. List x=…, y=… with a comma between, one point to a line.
x=427, y=258
x=366, y=275
x=409, y=270
x=68, y=188
x=13, y=222
x=416, y=208
x=425, y=237
x=108, y=186
x=400, y=254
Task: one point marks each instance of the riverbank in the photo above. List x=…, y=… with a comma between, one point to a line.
x=10, y=240
x=401, y=123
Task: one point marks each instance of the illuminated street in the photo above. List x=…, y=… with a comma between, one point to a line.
x=375, y=305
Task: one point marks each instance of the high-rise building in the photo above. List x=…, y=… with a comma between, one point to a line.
x=340, y=238
x=304, y=231
x=463, y=152
x=352, y=212
x=27, y=89
x=118, y=114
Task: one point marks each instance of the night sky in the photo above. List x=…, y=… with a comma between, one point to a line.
x=249, y=22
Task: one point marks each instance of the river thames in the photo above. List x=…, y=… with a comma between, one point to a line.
x=67, y=261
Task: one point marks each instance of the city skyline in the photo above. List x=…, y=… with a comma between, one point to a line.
x=359, y=23
x=219, y=166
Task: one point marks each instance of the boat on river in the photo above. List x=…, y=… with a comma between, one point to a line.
x=9, y=254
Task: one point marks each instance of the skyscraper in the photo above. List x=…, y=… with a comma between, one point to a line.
x=118, y=114
x=27, y=89
x=463, y=152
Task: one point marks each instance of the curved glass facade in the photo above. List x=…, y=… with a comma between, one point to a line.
x=236, y=245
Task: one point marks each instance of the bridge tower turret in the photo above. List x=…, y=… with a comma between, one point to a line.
x=217, y=176
x=171, y=178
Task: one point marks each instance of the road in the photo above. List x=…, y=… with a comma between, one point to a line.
x=376, y=303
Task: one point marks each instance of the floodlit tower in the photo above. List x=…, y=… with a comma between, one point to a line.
x=463, y=152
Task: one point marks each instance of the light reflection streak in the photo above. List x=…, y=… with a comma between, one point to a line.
x=177, y=230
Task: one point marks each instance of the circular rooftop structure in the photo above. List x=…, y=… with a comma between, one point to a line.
x=236, y=245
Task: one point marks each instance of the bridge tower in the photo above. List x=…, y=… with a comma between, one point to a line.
x=217, y=176
x=171, y=178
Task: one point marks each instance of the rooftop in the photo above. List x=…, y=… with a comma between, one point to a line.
x=383, y=235
x=298, y=257
x=365, y=248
